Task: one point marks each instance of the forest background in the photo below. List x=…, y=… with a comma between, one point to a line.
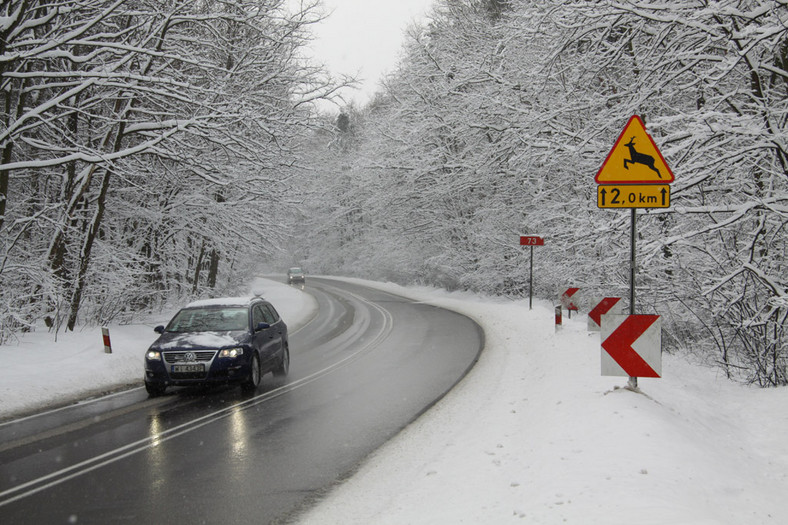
x=158, y=150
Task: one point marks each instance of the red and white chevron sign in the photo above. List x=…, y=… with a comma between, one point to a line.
x=608, y=305
x=567, y=300
x=632, y=346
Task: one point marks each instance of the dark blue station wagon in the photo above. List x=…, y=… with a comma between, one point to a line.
x=228, y=340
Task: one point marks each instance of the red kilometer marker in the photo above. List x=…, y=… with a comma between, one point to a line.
x=531, y=240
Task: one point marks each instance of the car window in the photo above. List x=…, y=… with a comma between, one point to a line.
x=258, y=316
x=221, y=319
x=274, y=312
x=270, y=314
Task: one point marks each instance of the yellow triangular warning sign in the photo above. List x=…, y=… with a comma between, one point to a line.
x=634, y=159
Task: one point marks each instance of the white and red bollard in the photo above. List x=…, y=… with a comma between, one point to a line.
x=558, y=317
x=105, y=336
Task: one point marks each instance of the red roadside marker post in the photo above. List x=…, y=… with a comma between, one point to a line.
x=531, y=240
x=105, y=337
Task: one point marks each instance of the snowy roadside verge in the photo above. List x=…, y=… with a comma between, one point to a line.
x=534, y=434
x=39, y=372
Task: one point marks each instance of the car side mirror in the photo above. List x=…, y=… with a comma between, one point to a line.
x=159, y=329
x=261, y=326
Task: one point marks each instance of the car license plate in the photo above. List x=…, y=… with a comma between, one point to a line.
x=188, y=368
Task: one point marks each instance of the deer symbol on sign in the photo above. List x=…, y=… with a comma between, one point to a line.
x=639, y=158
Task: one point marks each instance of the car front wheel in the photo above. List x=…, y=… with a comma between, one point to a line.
x=253, y=380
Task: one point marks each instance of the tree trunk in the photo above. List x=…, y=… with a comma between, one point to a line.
x=197, y=268
x=93, y=229
x=90, y=237
x=87, y=247
x=213, y=269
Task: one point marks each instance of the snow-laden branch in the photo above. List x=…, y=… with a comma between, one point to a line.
x=169, y=129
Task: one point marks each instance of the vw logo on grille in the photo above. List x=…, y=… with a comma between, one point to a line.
x=189, y=356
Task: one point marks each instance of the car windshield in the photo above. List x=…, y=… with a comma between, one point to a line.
x=296, y=271
x=215, y=319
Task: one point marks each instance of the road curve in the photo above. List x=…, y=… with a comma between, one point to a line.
x=365, y=366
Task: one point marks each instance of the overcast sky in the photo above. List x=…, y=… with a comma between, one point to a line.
x=364, y=37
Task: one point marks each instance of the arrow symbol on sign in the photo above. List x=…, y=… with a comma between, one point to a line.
x=664, y=193
x=566, y=298
x=603, y=192
x=619, y=345
x=602, y=308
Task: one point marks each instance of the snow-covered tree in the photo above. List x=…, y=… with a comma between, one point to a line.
x=145, y=144
x=496, y=125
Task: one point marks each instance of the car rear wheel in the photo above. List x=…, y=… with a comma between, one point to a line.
x=155, y=389
x=284, y=364
x=253, y=380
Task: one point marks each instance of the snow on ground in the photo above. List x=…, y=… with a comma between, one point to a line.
x=534, y=434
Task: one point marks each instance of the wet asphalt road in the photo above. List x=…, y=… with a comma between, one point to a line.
x=363, y=368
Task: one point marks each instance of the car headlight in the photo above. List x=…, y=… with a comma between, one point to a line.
x=231, y=352
x=153, y=355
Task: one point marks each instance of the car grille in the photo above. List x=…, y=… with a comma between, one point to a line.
x=199, y=355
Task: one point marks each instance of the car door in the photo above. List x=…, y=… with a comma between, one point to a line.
x=276, y=335
x=262, y=338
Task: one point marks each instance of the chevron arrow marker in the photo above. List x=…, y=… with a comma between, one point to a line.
x=608, y=305
x=632, y=345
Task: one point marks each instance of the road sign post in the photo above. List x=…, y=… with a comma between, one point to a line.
x=634, y=175
x=531, y=240
x=531, y=281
